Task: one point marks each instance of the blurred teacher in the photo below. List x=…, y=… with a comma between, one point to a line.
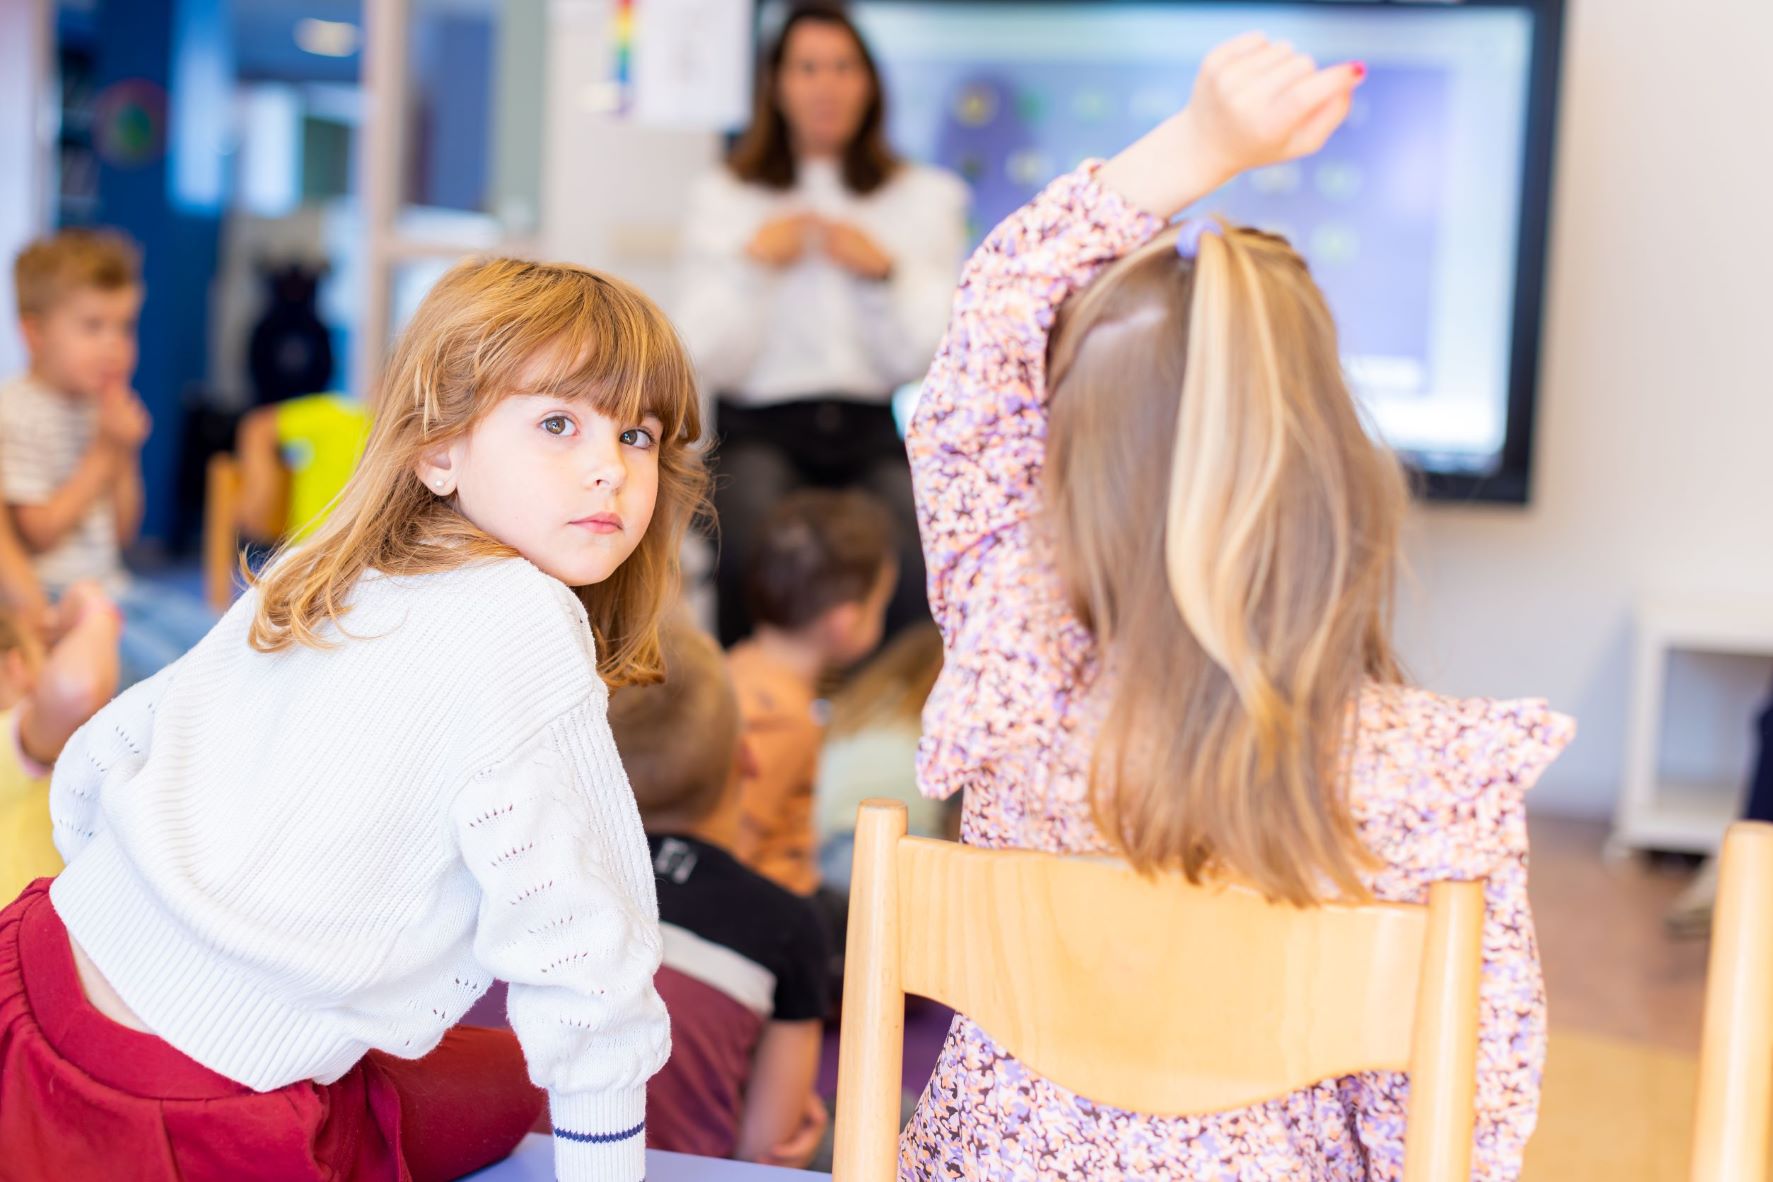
x=817, y=273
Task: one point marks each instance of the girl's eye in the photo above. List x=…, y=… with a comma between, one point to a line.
x=559, y=425
x=639, y=437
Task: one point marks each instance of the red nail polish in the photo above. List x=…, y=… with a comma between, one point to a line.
x=1360, y=70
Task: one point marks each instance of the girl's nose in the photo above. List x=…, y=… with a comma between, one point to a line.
x=605, y=468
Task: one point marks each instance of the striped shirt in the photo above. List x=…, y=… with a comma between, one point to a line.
x=44, y=434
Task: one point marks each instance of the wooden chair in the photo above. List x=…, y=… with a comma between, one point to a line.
x=224, y=506
x=1093, y=976
x=221, y=531
x=1735, y=1105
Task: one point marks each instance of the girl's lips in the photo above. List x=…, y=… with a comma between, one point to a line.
x=601, y=523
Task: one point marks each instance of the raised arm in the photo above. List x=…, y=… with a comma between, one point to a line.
x=978, y=441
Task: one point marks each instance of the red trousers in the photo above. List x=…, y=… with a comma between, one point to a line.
x=82, y=1097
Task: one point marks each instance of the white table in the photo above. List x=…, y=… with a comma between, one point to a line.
x=534, y=1162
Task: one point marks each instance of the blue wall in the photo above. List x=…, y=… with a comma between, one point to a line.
x=137, y=41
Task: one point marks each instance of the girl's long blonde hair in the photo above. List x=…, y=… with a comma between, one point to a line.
x=1238, y=636
x=490, y=328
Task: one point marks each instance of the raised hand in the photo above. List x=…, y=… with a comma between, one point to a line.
x=1260, y=102
x=1255, y=103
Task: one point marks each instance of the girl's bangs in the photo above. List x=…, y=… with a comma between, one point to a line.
x=621, y=362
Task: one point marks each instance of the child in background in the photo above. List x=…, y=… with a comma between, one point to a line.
x=744, y=969
x=44, y=699
x=1162, y=552
x=870, y=748
x=295, y=458
x=71, y=434
x=298, y=855
x=819, y=582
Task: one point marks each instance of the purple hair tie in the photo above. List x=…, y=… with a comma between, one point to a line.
x=1188, y=238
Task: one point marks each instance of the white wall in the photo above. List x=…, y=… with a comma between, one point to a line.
x=1654, y=466
x=613, y=193
x=24, y=155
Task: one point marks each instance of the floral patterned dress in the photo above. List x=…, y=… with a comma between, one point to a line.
x=1436, y=786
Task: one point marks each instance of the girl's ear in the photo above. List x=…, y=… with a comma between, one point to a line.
x=437, y=470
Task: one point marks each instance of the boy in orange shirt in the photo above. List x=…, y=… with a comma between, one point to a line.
x=819, y=582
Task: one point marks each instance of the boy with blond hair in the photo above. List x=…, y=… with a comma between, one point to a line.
x=71, y=433
x=745, y=966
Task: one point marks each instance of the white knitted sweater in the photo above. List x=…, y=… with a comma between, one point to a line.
x=284, y=860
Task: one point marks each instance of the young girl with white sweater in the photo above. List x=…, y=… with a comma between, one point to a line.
x=299, y=854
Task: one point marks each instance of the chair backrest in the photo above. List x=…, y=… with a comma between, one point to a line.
x=221, y=537
x=1150, y=994
x=1735, y=1105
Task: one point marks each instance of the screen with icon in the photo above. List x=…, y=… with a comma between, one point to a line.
x=1422, y=219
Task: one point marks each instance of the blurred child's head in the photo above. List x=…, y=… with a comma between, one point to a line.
x=79, y=294
x=680, y=739
x=824, y=569
x=21, y=658
x=539, y=409
x=1207, y=395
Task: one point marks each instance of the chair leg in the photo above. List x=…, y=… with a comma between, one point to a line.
x=221, y=548
x=1443, y=1054
x=872, y=1049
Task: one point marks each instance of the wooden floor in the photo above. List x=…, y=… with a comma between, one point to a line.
x=1625, y=1012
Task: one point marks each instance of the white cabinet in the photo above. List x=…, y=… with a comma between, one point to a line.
x=1670, y=811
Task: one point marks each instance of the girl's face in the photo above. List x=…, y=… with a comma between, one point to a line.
x=563, y=485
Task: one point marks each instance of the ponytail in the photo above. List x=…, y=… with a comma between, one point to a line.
x=1239, y=638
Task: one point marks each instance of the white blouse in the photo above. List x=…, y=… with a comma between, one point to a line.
x=763, y=335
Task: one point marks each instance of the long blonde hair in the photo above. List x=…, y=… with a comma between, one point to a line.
x=490, y=328
x=891, y=689
x=1236, y=638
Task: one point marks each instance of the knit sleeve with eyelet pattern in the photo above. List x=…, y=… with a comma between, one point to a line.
x=569, y=917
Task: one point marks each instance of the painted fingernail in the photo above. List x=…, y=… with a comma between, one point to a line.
x=1360, y=70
